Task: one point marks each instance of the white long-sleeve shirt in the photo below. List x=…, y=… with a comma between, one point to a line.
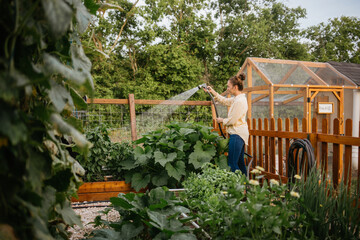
x=236, y=121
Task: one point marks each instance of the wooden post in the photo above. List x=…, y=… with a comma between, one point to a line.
x=337, y=164
x=280, y=149
x=272, y=148
x=249, y=80
x=348, y=153
x=254, y=152
x=324, y=148
x=271, y=100
x=266, y=127
x=261, y=160
x=132, y=117
x=287, y=144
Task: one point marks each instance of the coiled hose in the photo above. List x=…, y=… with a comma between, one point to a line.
x=300, y=151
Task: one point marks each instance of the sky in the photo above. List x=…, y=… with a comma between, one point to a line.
x=318, y=11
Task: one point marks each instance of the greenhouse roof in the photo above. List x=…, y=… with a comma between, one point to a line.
x=350, y=70
x=300, y=73
x=287, y=80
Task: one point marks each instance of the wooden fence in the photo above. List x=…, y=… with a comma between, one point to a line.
x=269, y=145
x=269, y=142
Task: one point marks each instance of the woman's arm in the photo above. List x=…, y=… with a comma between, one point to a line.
x=223, y=100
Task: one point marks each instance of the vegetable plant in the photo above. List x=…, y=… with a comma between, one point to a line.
x=166, y=157
x=156, y=214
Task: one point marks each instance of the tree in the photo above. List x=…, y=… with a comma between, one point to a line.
x=43, y=75
x=338, y=40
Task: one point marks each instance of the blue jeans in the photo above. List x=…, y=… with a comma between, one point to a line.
x=236, y=154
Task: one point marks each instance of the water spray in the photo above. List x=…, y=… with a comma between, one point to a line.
x=204, y=86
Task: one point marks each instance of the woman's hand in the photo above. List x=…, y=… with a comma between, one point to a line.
x=210, y=89
x=219, y=120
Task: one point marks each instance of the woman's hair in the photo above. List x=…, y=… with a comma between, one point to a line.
x=238, y=81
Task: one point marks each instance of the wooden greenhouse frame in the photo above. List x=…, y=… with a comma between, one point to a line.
x=316, y=81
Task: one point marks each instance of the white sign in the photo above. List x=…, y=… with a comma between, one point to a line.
x=325, y=107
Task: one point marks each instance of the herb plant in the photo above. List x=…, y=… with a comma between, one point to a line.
x=166, y=157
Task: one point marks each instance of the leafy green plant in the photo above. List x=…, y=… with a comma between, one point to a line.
x=105, y=157
x=204, y=190
x=166, y=157
x=156, y=214
x=245, y=210
x=43, y=75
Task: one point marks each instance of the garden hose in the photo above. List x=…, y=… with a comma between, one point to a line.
x=295, y=159
x=216, y=112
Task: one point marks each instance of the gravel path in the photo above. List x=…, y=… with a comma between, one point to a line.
x=88, y=212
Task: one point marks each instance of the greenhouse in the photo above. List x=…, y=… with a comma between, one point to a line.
x=288, y=88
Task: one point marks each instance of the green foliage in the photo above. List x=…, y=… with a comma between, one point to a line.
x=204, y=190
x=43, y=74
x=166, y=157
x=105, y=157
x=338, y=40
x=153, y=215
x=245, y=210
x=333, y=213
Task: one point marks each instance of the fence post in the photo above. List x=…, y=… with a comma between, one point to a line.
x=132, y=117
x=348, y=151
x=336, y=163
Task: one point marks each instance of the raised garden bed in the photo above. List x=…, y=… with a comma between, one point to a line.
x=101, y=191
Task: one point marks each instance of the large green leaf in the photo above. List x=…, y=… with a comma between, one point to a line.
x=68, y=214
x=201, y=156
x=138, y=181
x=129, y=231
x=59, y=15
x=164, y=158
x=141, y=155
x=59, y=96
x=157, y=219
x=183, y=236
x=121, y=202
x=79, y=102
x=177, y=170
x=83, y=17
x=161, y=179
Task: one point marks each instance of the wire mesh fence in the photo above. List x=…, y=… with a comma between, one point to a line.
x=148, y=117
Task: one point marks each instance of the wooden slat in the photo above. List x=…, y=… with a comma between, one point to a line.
x=254, y=152
x=283, y=134
x=348, y=152
x=111, y=186
x=287, y=144
x=249, y=147
x=313, y=140
x=324, y=147
x=271, y=101
x=281, y=61
x=261, y=74
x=266, y=127
x=280, y=149
x=261, y=160
x=148, y=102
x=257, y=88
x=338, y=139
x=304, y=125
x=272, y=148
x=336, y=165
x=296, y=129
x=313, y=75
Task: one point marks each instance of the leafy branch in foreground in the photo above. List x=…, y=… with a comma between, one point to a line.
x=43, y=75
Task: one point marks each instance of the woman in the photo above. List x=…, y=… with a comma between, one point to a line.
x=235, y=122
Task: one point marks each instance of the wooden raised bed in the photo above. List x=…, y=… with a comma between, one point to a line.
x=101, y=191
